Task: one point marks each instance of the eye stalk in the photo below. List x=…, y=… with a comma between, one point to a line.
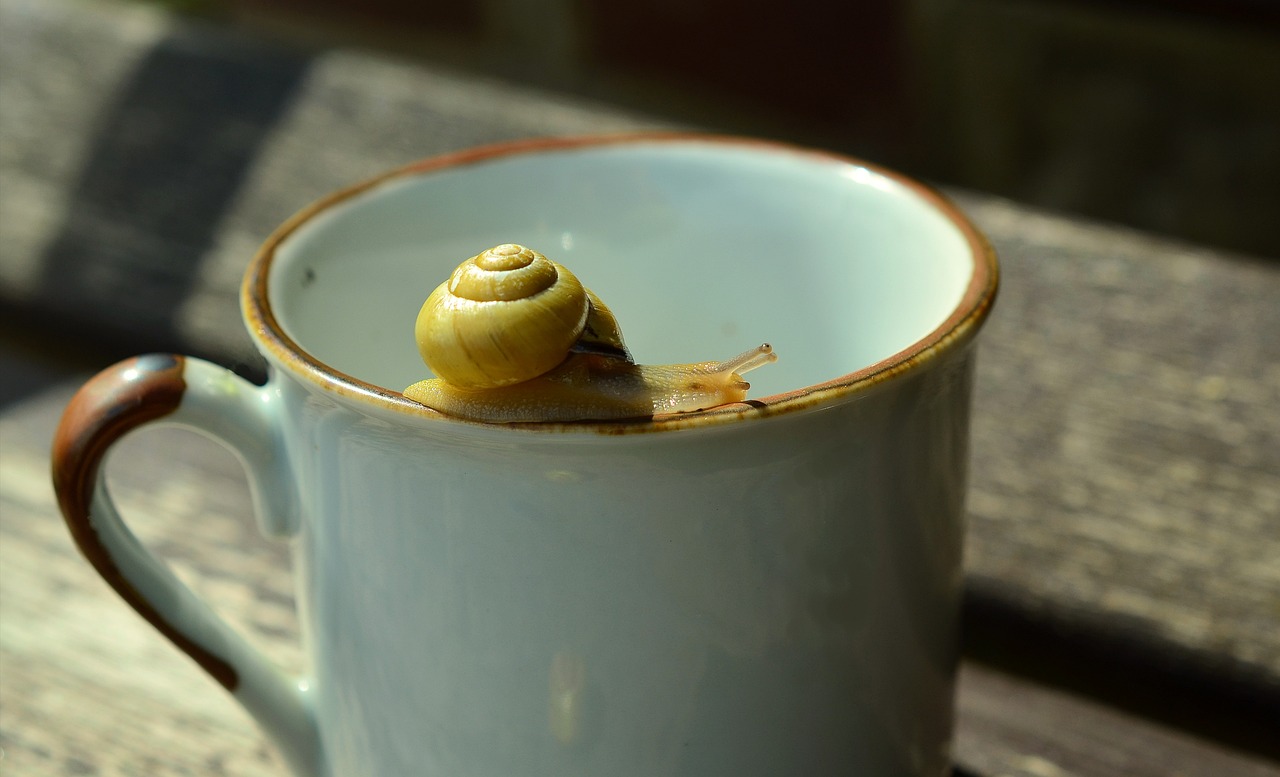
x=537, y=345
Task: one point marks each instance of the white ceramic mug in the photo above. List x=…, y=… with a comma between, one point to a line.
x=770, y=588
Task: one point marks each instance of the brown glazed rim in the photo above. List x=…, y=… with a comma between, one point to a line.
x=958, y=329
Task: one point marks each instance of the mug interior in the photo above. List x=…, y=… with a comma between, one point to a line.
x=702, y=248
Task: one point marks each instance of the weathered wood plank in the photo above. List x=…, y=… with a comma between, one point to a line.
x=1013, y=728
x=1126, y=444
x=87, y=686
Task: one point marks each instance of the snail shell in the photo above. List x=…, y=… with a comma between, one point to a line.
x=513, y=336
x=503, y=317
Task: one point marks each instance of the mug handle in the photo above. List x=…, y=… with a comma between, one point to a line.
x=202, y=396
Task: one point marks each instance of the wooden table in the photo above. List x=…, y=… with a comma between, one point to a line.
x=1123, y=607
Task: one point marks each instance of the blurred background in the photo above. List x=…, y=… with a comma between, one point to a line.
x=1160, y=114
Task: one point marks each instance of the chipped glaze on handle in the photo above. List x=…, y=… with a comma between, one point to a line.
x=199, y=395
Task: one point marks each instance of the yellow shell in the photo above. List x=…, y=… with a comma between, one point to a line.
x=504, y=316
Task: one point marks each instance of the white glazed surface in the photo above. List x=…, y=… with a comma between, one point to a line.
x=755, y=599
x=774, y=597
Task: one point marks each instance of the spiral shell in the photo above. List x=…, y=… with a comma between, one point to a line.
x=504, y=316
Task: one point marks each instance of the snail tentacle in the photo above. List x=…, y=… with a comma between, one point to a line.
x=744, y=362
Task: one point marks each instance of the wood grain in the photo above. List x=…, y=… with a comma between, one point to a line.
x=1012, y=728
x=88, y=687
x=1126, y=444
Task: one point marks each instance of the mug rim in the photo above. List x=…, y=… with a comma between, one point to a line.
x=960, y=326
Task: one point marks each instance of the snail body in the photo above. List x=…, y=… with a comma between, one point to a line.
x=512, y=336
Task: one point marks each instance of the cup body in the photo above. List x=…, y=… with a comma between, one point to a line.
x=769, y=589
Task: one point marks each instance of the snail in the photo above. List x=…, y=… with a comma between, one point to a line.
x=512, y=336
